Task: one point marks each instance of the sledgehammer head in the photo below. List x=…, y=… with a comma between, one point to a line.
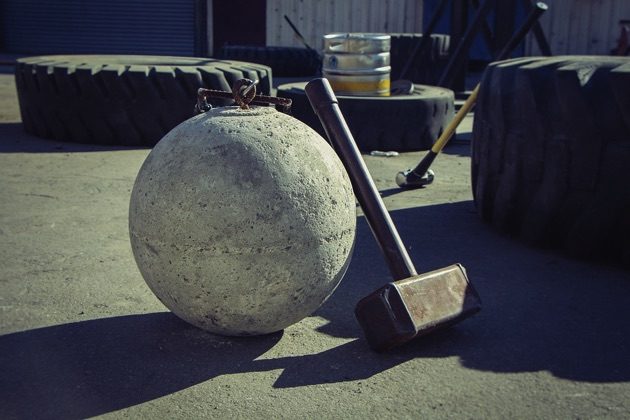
x=408, y=308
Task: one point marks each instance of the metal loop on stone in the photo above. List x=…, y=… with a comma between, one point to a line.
x=243, y=93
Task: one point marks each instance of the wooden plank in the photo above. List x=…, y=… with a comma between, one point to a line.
x=360, y=13
x=271, y=32
x=418, y=21
x=320, y=18
x=580, y=44
x=564, y=30
x=404, y=26
x=581, y=26
x=314, y=18
x=409, y=24
x=613, y=28
x=597, y=32
x=209, y=34
x=621, y=10
x=376, y=11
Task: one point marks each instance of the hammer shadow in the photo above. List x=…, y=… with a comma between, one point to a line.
x=541, y=311
x=89, y=368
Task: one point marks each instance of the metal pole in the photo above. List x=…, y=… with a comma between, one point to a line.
x=426, y=38
x=413, y=178
x=539, y=34
x=325, y=105
x=464, y=44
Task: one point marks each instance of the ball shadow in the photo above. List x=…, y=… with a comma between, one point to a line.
x=13, y=139
x=88, y=368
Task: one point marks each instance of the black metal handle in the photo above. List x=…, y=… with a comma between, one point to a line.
x=298, y=34
x=325, y=105
x=519, y=35
x=421, y=46
x=464, y=44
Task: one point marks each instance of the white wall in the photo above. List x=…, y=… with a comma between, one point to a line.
x=582, y=27
x=315, y=18
x=571, y=26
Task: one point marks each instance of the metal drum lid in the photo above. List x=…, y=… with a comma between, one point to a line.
x=353, y=62
x=357, y=43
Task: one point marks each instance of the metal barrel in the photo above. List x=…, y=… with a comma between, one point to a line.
x=357, y=63
x=357, y=42
x=352, y=62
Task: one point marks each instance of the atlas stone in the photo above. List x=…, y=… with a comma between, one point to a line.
x=242, y=222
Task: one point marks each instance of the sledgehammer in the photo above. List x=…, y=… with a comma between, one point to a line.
x=421, y=175
x=413, y=304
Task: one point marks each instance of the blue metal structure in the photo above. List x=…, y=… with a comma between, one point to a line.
x=480, y=50
x=157, y=27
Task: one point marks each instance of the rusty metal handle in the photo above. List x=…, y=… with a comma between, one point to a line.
x=243, y=93
x=325, y=105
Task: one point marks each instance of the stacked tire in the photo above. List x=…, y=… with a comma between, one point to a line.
x=551, y=148
x=122, y=100
x=399, y=122
x=425, y=68
x=284, y=61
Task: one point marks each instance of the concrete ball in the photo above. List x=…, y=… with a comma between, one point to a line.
x=242, y=222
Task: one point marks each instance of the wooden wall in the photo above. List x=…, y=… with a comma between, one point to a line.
x=582, y=27
x=315, y=18
x=571, y=26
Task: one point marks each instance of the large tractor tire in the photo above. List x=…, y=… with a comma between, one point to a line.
x=118, y=99
x=400, y=122
x=551, y=152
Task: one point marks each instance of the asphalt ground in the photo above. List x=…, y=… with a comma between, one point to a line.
x=83, y=336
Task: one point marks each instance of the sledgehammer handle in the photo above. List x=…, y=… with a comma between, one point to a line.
x=325, y=105
x=417, y=173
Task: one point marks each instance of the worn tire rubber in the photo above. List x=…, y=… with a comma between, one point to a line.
x=118, y=99
x=284, y=61
x=401, y=123
x=551, y=151
x=426, y=68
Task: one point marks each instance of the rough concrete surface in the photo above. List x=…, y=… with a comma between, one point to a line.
x=242, y=221
x=83, y=336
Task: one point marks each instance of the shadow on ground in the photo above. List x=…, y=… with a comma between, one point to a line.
x=459, y=147
x=84, y=369
x=88, y=368
x=15, y=140
x=542, y=312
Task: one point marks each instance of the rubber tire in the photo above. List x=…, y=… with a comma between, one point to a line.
x=401, y=123
x=426, y=68
x=551, y=150
x=118, y=99
x=284, y=61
